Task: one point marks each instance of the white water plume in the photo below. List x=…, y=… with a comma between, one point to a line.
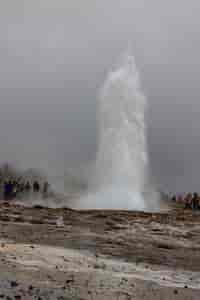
x=121, y=169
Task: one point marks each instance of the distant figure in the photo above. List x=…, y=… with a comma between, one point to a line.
x=18, y=190
x=45, y=189
x=188, y=201
x=21, y=187
x=174, y=198
x=27, y=186
x=5, y=190
x=180, y=199
x=36, y=187
x=14, y=189
x=195, y=200
x=8, y=190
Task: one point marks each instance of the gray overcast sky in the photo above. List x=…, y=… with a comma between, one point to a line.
x=54, y=56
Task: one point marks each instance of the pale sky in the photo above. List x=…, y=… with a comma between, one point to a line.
x=54, y=56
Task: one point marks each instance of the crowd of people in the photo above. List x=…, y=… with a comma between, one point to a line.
x=17, y=184
x=18, y=188
x=190, y=201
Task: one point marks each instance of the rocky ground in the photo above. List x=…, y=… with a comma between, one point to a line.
x=98, y=254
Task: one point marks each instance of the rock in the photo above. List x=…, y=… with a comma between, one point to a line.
x=38, y=207
x=13, y=284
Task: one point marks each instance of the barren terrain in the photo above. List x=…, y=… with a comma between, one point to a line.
x=98, y=254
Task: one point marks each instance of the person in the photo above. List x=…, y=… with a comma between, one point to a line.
x=195, y=201
x=18, y=188
x=15, y=190
x=188, y=201
x=8, y=190
x=198, y=204
x=180, y=199
x=36, y=187
x=27, y=186
x=45, y=189
x=174, y=198
x=5, y=190
x=21, y=187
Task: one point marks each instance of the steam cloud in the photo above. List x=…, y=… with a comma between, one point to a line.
x=121, y=169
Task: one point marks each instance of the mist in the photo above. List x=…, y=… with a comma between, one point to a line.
x=54, y=57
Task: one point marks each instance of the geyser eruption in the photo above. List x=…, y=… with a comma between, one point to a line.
x=121, y=167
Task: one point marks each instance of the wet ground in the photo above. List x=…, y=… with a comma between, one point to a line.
x=98, y=254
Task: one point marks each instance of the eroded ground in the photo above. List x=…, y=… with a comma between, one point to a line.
x=98, y=254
